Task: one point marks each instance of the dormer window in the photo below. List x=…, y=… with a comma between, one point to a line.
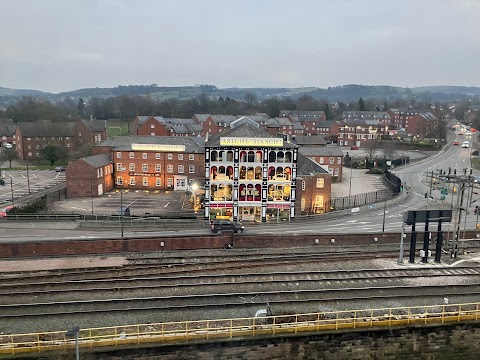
x=152, y=126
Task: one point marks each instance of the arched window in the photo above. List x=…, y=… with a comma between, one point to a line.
x=280, y=157
x=288, y=156
x=243, y=173
x=243, y=156
x=271, y=172
x=213, y=156
x=272, y=157
x=286, y=193
x=251, y=156
x=288, y=173
x=213, y=192
x=242, y=192
x=229, y=172
x=221, y=155
x=213, y=172
x=250, y=173
x=230, y=156
x=229, y=192
x=258, y=173
x=278, y=193
x=258, y=156
x=250, y=192
x=221, y=192
x=257, y=195
x=270, y=192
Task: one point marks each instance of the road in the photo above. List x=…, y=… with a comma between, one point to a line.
x=383, y=217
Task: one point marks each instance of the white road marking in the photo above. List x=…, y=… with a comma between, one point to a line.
x=166, y=204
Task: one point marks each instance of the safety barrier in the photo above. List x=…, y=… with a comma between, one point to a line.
x=240, y=327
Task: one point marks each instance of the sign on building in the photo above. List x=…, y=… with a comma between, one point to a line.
x=266, y=142
x=158, y=147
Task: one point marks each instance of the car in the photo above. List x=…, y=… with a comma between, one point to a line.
x=460, y=133
x=7, y=145
x=354, y=147
x=60, y=169
x=473, y=130
x=217, y=226
x=5, y=211
x=465, y=144
x=456, y=142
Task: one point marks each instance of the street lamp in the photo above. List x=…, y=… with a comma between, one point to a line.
x=91, y=193
x=74, y=333
x=121, y=212
x=28, y=180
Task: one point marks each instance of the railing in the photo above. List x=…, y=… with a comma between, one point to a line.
x=241, y=327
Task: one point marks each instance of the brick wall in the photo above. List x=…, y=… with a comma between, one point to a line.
x=458, y=341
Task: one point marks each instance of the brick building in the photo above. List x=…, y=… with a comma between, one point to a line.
x=329, y=158
x=155, y=162
x=31, y=137
x=7, y=131
x=90, y=131
x=150, y=126
x=358, y=132
x=383, y=116
x=250, y=174
x=90, y=176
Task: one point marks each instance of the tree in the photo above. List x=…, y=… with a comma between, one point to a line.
x=250, y=98
x=361, y=105
x=371, y=147
x=81, y=108
x=327, y=111
x=9, y=155
x=53, y=153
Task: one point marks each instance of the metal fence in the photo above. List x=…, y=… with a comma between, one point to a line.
x=170, y=332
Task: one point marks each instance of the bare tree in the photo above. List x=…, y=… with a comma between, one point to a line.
x=389, y=150
x=371, y=146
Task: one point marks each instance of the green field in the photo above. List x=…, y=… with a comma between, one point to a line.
x=117, y=128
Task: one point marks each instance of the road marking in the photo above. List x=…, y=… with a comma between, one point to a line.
x=352, y=221
x=166, y=204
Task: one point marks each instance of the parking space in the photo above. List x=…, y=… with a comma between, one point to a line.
x=19, y=182
x=141, y=203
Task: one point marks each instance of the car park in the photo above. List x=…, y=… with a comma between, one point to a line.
x=217, y=226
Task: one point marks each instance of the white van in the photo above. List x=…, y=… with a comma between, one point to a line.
x=465, y=144
x=7, y=145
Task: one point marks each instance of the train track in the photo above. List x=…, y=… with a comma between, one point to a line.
x=55, y=287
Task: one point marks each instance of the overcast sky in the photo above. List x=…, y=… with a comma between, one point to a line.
x=62, y=45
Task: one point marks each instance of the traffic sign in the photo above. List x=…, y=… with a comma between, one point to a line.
x=444, y=192
x=442, y=197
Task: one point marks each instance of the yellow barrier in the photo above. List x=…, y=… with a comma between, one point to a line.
x=240, y=327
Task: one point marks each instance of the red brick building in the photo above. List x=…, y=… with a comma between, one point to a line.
x=90, y=131
x=90, y=176
x=358, y=132
x=31, y=137
x=7, y=131
x=150, y=126
x=329, y=158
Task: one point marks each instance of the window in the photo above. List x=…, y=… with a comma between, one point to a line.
x=191, y=156
x=131, y=155
x=303, y=185
x=145, y=181
x=157, y=156
x=132, y=180
x=319, y=201
x=320, y=182
x=158, y=167
x=170, y=169
x=158, y=182
x=152, y=126
x=144, y=156
x=169, y=156
x=321, y=160
x=119, y=167
x=170, y=182
x=119, y=155
x=302, y=206
x=191, y=169
x=180, y=156
x=145, y=168
x=119, y=180
x=339, y=160
x=180, y=169
x=131, y=167
x=331, y=161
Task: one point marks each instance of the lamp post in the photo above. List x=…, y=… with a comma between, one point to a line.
x=74, y=333
x=28, y=179
x=121, y=212
x=91, y=193
x=11, y=188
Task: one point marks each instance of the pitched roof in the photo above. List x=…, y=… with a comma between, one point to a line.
x=302, y=113
x=124, y=143
x=310, y=140
x=365, y=115
x=201, y=117
x=320, y=151
x=306, y=166
x=98, y=160
x=363, y=122
x=45, y=128
x=7, y=127
x=95, y=125
x=329, y=123
x=246, y=130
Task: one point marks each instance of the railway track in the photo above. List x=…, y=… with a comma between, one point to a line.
x=55, y=287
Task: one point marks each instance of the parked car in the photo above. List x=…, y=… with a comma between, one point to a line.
x=456, y=142
x=60, y=169
x=354, y=147
x=7, y=145
x=217, y=226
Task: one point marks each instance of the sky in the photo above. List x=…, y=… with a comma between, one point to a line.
x=64, y=45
